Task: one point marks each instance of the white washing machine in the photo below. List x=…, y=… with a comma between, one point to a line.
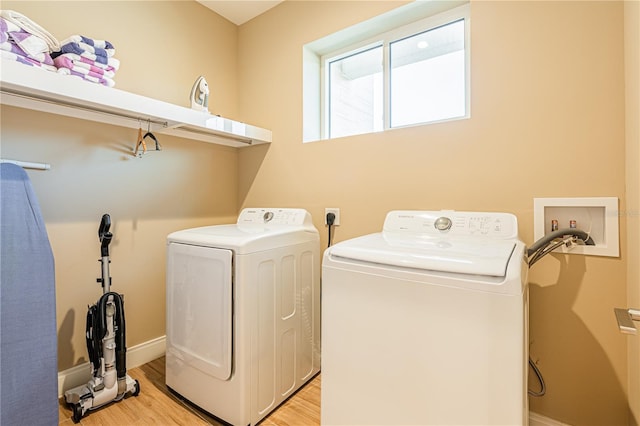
x=426, y=323
x=243, y=312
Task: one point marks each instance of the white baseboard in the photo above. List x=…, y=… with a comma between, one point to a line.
x=136, y=356
x=536, y=419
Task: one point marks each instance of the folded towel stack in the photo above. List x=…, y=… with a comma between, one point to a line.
x=87, y=58
x=24, y=41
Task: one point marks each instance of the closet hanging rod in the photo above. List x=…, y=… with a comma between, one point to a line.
x=27, y=164
x=44, y=99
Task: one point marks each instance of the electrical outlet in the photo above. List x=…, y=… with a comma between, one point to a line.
x=335, y=211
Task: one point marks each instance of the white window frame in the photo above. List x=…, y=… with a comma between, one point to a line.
x=336, y=46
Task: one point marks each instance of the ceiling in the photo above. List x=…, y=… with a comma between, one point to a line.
x=239, y=11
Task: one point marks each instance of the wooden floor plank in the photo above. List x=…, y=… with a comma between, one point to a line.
x=157, y=405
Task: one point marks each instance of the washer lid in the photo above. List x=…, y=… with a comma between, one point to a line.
x=475, y=256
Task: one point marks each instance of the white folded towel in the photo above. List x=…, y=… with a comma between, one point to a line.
x=31, y=27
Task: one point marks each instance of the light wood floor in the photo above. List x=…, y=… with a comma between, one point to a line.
x=156, y=405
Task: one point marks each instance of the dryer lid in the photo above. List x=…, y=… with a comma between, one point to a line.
x=472, y=256
x=256, y=230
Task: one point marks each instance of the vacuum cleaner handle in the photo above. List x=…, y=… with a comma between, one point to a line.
x=104, y=234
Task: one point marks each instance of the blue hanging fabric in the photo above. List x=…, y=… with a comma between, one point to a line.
x=28, y=340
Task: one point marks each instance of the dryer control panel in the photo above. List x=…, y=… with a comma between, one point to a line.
x=453, y=223
x=263, y=216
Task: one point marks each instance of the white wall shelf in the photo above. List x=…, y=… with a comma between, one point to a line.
x=40, y=90
x=597, y=216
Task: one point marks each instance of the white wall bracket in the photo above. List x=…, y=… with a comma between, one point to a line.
x=625, y=318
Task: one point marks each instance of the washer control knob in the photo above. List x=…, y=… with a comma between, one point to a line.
x=442, y=223
x=267, y=217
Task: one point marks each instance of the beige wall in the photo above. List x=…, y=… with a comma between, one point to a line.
x=163, y=47
x=547, y=103
x=547, y=121
x=632, y=71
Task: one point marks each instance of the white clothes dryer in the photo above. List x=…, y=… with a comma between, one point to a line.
x=426, y=323
x=243, y=312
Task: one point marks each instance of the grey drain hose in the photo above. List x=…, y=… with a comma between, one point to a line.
x=538, y=250
x=559, y=234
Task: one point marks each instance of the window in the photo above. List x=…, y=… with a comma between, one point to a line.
x=412, y=74
x=427, y=72
x=355, y=93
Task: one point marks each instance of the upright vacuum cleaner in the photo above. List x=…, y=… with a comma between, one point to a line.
x=105, y=344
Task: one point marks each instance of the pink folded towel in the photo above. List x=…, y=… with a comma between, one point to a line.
x=100, y=80
x=65, y=61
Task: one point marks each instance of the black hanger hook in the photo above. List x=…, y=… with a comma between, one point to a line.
x=153, y=137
